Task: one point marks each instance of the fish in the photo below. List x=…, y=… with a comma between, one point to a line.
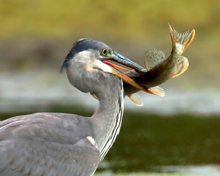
x=160, y=69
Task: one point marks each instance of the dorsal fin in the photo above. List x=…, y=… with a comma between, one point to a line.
x=153, y=57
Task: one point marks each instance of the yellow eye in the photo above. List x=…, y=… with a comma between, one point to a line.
x=104, y=52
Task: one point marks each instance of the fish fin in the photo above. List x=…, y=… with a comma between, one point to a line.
x=181, y=66
x=135, y=98
x=153, y=57
x=156, y=91
x=181, y=40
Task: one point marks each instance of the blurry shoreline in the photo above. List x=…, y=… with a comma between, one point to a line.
x=39, y=90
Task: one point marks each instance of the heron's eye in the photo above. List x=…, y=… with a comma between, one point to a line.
x=104, y=52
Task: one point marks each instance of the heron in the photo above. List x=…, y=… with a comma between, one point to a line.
x=60, y=144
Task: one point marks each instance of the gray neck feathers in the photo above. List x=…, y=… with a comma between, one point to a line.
x=107, y=118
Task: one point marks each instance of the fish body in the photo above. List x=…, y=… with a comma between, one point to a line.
x=160, y=69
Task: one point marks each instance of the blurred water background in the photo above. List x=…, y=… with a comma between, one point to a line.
x=181, y=129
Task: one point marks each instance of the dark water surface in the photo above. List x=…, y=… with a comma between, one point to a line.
x=147, y=142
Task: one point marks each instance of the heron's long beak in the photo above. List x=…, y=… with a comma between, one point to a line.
x=109, y=69
x=119, y=67
x=105, y=65
x=122, y=63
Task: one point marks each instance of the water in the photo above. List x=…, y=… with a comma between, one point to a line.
x=155, y=139
x=40, y=89
x=209, y=170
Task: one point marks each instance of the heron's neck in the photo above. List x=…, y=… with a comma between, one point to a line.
x=108, y=117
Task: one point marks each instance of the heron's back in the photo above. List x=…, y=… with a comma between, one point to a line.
x=47, y=144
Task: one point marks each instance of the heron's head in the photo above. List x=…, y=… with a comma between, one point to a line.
x=89, y=60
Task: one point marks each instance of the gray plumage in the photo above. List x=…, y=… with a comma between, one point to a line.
x=41, y=145
x=57, y=144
